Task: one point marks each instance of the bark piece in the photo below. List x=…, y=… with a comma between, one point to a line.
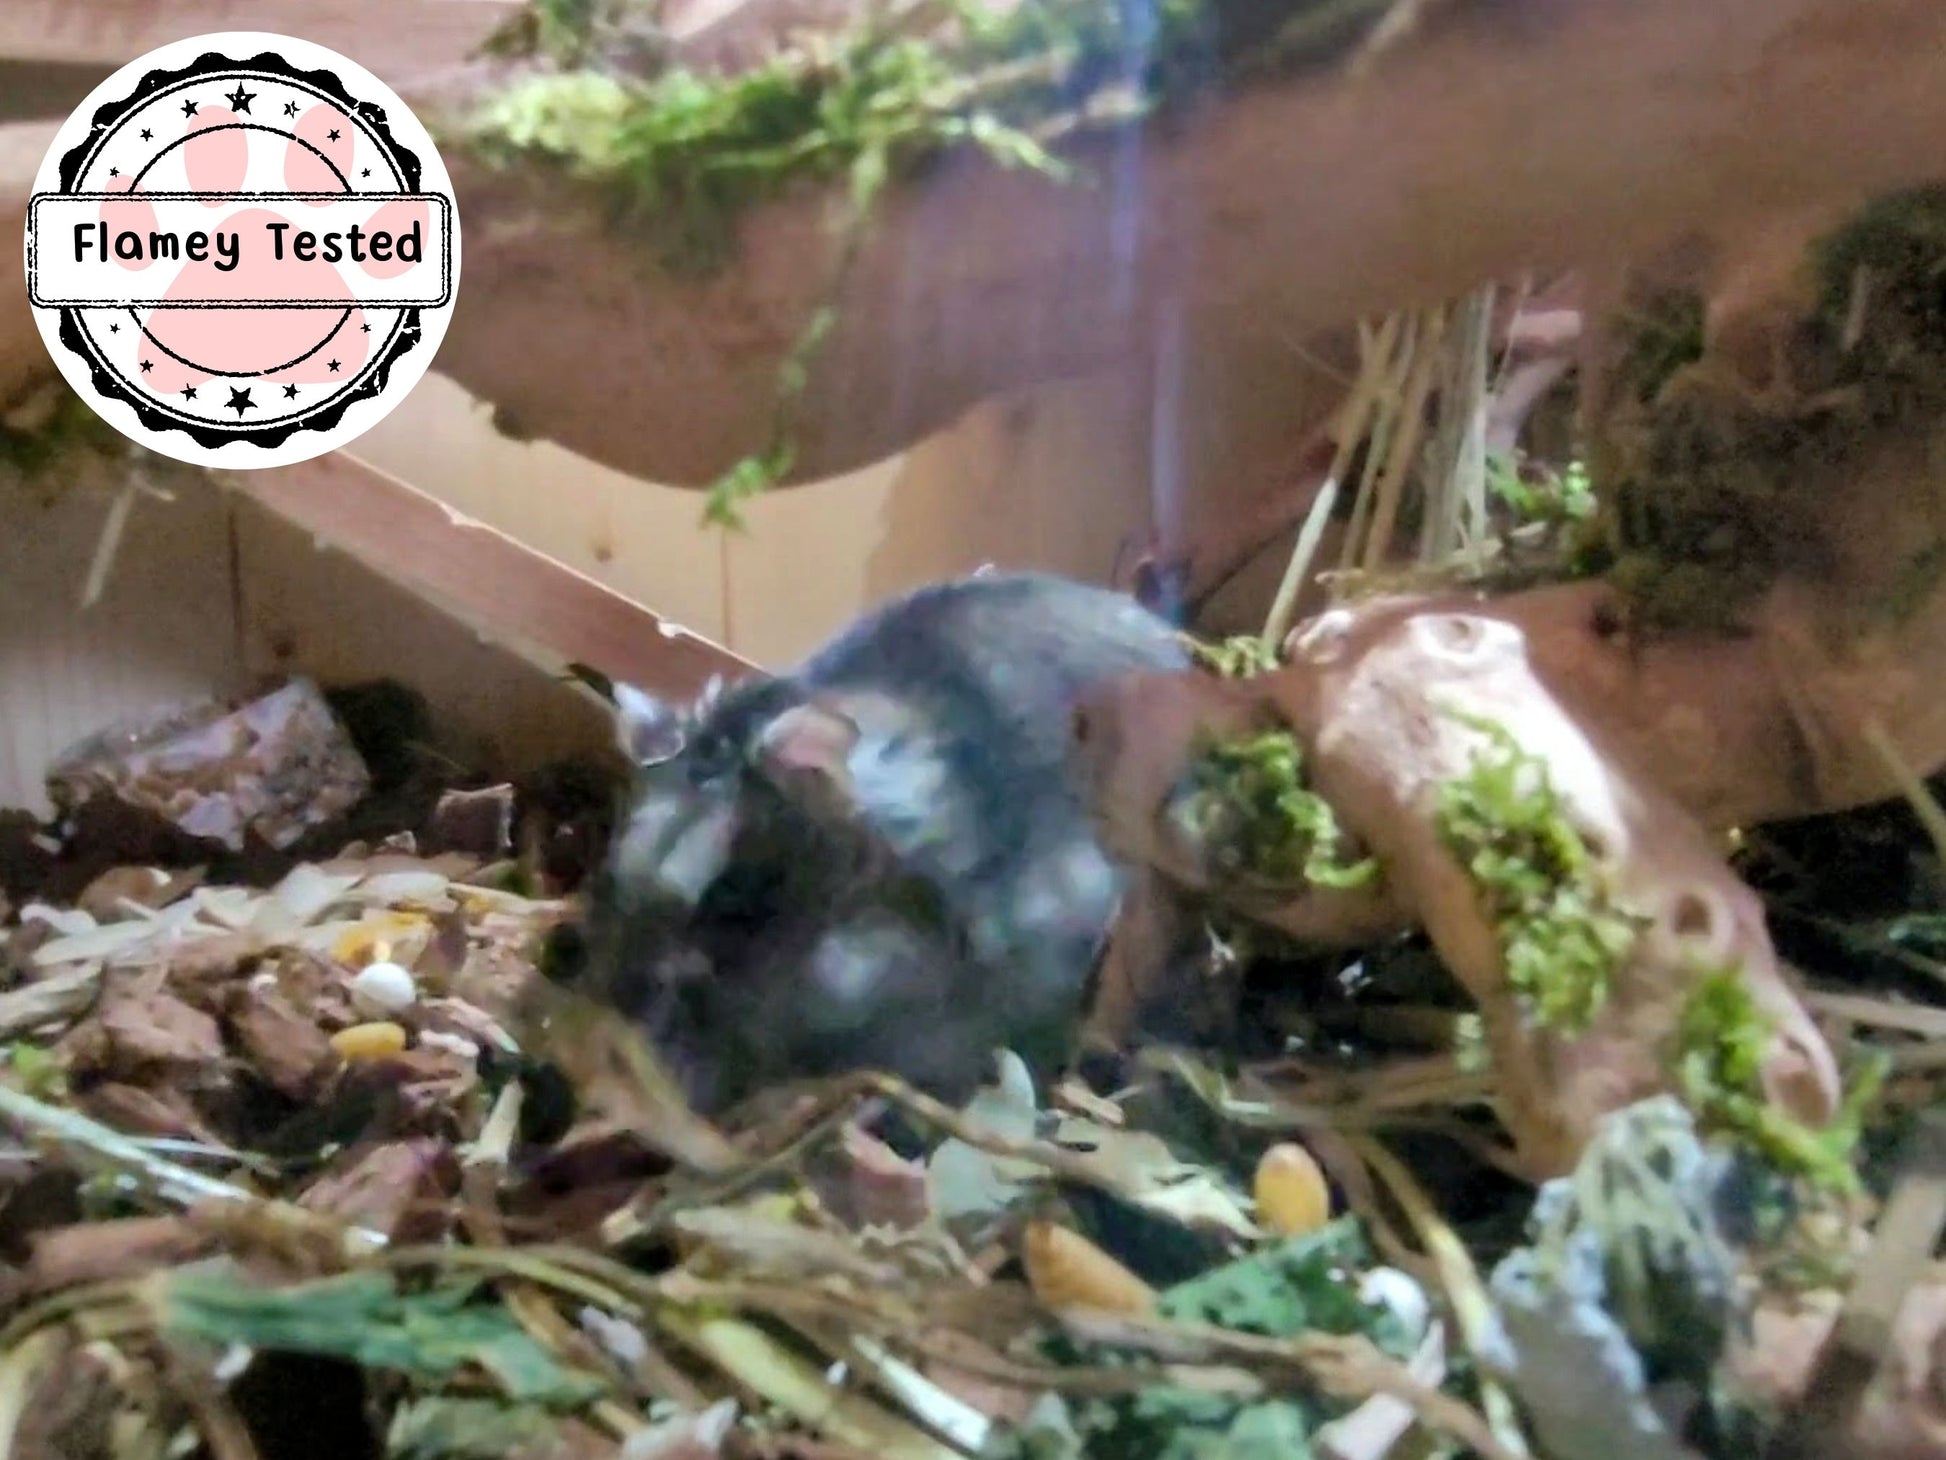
x=124, y=1248
x=285, y=1046
x=276, y=767
x=1378, y=698
x=135, y=1111
x=397, y=1189
x=479, y=823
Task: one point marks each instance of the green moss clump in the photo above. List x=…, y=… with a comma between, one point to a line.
x=1247, y=802
x=1561, y=936
x=1882, y=303
x=1710, y=483
x=1718, y=1059
x=37, y=1070
x=1535, y=495
x=1302, y=1285
x=1667, y=336
x=1241, y=656
x=684, y=154
x=681, y=155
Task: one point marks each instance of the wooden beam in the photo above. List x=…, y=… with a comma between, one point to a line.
x=396, y=40
x=36, y=89
x=23, y=354
x=1533, y=134
x=1530, y=134
x=537, y=607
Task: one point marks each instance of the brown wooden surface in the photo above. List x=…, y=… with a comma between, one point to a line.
x=212, y=592
x=1531, y=133
x=483, y=577
x=394, y=39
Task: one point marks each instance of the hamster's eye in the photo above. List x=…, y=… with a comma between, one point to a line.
x=711, y=758
x=564, y=953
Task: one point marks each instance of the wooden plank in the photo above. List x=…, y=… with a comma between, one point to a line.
x=308, y=608
x=536, y=606
x=646, y=542
x=23, y=355
x=397, y=40
x=39, y=89
x=164, y=629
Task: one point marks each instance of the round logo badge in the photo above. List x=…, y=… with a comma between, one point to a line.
x=242, y=250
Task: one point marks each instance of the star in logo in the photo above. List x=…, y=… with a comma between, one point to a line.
x=240, y=402
x=290, y=108
x=290, y=392
x=114, y=329
x=114, y=172
x=365, y=328
x=189, y=108
x=147, y=366
x=147, y=134
x=240, y=99
x=332, y=135
x=334, y=367
x=189, y=392
x=366, y=173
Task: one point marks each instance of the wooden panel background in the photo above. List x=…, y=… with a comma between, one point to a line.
x=211, y=590
x=1054, y=481
x=165, y=628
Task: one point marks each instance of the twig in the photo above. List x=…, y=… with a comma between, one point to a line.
x=567, y=1270
x=1403, y=455
x=1355, y=420
x=482, y=1167
x=107, y=545
x=1388, y=357
x=755, y=1360
x=21, y=1367
x=1347, y=1367
x=1879, y=1013
x=1855, y=1350
x=799, y=1305
x=943, y=1412
x=1298, y=571
x=1460, y=519
x=1461, y=1280
x=1401, y=20
x=1370, y=1431
x=217, y=1421
x=837, y=1109
x=1924, y=805
x=173, y=1183
x=1066, y=1164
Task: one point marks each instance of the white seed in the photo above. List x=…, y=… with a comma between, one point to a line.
x=385, y=985
x=1387, y=1287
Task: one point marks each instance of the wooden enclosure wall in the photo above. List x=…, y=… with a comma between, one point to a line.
x=1062, y=477
x=208, y=593
x=211, y=590
x=1020, y=484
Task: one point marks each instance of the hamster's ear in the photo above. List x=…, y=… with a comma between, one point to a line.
x=807, y=749
x=649, y=730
